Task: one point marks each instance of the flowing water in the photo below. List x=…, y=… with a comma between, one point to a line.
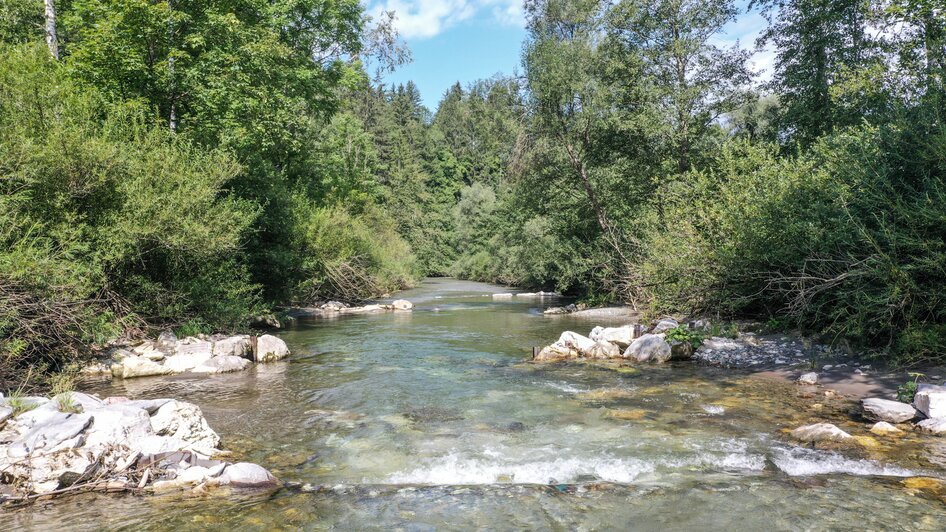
x=436, y=419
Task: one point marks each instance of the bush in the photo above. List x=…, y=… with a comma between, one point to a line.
x=105, y=222
x=350, y=257
x=847, y=239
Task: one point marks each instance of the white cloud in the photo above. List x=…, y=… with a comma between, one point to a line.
x=418, y=19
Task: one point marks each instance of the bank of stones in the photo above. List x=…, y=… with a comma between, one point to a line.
x=75, y=441
x=202, y=355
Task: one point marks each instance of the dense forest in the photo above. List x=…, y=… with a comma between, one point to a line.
x=194, y=164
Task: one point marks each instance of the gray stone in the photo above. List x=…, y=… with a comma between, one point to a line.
x=167, y=340
x=149, y=405
x=246, y=475
x=649, y=348
x=236, y=346
x=118, y=424
x=269, y=349
x=934, y=425
x=267, y=321
x=47, y=431
x=931, y=400
x=808, y=378
x=680, y=350
x=820, y=432
x=5, y=414
x=664, y=325
x=603, y=350
x=877, y=409
x=222, y=364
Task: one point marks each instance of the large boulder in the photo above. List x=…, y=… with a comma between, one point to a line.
x=234, y=346
x=269, y=349
x=931, y=400
x=185, y=423
x=620, y=336
x=810, y=378
x=820, y=432
x=649, y=348
x=138, y=366
x=150, y=350
x=569, y=345
x=664, y=325
x=877, y=409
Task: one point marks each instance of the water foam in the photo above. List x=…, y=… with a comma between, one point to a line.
x=454, y=469
x=798, y=461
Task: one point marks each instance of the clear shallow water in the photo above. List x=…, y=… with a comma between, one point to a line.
x=436, y=419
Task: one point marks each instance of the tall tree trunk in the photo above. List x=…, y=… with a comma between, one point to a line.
x=172, y=96
x=51, y=39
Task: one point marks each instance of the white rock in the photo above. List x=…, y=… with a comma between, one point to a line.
x=664, y=325
x=138, y=366
x=193, y=346
x=808, y=378
x=935, y=425
x=402, y=304
x=882, y=428
x=621, y=336
x=244, y=474
x=820, y=432
x=182, y=362
x=222, y=364
x=46, y=430
x=877, y=409
x=119, y=424
x=193, y=475
x=931, y=400
x=502, y=296
x=269, y=348
x=5, y=414
x=603, y=350
x=235, y=346
x=185, y=422
x=649, y=348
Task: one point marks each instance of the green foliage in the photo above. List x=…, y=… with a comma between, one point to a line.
x=683, y=333
x=907, y=391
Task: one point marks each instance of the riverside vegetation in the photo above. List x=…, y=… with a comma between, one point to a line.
x=195, y=164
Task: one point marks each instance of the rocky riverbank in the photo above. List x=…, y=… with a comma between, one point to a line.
x=199, y=355
x=336, y=308
x=78, y=442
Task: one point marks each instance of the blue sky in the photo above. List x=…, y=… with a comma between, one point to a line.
x=467, y=40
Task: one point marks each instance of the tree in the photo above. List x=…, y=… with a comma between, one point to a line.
x=693, y=81
x=818, y=43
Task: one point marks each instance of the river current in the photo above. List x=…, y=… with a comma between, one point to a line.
x=436, y=419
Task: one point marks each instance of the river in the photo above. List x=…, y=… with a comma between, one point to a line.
x=436, y=419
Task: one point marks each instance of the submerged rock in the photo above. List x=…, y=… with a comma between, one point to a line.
x=681, y=350
x=820, y=432
x=882, y=428
x=138, y=366
x=877, y=409
x=649, y=348
x=603, y=350
x=247, y=475
x=402, y=304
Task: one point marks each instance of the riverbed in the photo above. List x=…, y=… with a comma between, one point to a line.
x=437, y=419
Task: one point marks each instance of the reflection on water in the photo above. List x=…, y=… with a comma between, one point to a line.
x=436, y=419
